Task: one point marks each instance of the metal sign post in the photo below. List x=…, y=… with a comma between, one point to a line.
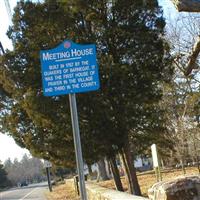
x=77, y=145
x=47, y=166
x=68, y=69
x=49, y=178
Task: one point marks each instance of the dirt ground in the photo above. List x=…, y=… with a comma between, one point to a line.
x=146, y=180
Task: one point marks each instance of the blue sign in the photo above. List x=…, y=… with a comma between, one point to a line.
x=69, y=68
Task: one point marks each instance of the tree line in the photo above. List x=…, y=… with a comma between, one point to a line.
x=27, y=170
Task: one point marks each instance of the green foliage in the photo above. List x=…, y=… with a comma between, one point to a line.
x=4, y=182
x=61, y=173
x=133, y=65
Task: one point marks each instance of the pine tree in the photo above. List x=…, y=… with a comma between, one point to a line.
x=4, y=182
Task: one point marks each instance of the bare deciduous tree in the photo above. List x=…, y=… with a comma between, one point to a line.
x=187, y=5
x=192, y=61
x=184, y=36
x=180, y=98
x=190, y=6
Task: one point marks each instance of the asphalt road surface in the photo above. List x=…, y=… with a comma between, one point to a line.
x=31, y=192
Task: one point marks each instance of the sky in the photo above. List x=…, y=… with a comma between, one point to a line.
x=8, y=148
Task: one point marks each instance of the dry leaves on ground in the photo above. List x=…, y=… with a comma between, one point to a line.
x=63, y=192
x=146, y=180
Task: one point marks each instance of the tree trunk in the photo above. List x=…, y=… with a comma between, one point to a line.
x=116, y=176
x=89, y=169
x=182, y=166
x=130, y=171
x=102, y=174
x=108, y=168
x=125, y=167
x=198, y=166
x=196, y=155
x=187, y=5
x=192, y=61
x=162, y=163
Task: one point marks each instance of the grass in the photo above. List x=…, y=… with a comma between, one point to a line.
x=63, y=192
x=146, y=180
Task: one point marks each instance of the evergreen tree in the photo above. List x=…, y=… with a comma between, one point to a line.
x=4, y=182
x=132, y=63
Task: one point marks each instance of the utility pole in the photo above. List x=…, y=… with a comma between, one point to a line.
x=9, y=12
x=49, y=178
x=1, y=49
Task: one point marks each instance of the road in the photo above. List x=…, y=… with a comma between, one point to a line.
x=31, y=192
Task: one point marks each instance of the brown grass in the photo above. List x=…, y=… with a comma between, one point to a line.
x=63, y=192
x=146, y=180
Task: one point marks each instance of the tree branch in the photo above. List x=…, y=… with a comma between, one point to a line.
x=193, y=57
x=187, y=5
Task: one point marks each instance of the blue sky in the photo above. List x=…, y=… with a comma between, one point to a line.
x=8, y=148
